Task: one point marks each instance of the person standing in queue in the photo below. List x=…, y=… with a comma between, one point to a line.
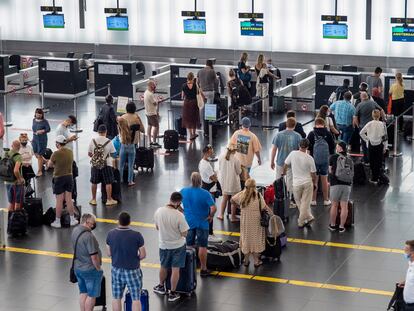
x=63, y=129
x=398, y=100
x=190, y=110
x=40, y=128
x=152, y=113
x=15, y=186
x=243, y=72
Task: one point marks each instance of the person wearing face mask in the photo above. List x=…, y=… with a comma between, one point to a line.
x=40, y=128
x=63, y=129
x=151, y=111
x=26, y=151
x=408, y=284
x=88, y=262
x=172, y=231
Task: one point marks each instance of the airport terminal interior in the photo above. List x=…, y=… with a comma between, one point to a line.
x=65, y=57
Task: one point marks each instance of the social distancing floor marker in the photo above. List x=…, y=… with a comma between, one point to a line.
x=291, y=240
x=232, y=275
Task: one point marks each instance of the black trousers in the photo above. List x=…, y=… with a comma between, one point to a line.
x=376, y=155
x=397, y=109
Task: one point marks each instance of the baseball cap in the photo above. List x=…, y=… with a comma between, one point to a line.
x=246, y=123
x=61, y=139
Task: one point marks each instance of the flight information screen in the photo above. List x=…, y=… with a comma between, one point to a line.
x=53, y=21
x=251, y=28
x=119, y=23
x=403, y=34
x=335, y=31
x=195, y=26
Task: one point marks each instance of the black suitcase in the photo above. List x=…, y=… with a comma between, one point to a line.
x=187, y=283
x=360, y=176
x=49, y=216
x=355, y=141
x=34, y=209
x=282, y=200
x=116, y=187
x=17, y=223
x=101, y=300
x=171, y=139
x=144, y=157
x=273, y=249
x=182, y=132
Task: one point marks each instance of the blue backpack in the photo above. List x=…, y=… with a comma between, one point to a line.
x=320, y=150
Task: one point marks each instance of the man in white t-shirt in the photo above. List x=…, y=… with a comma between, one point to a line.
x=101, y=151
x=151, y=111
x=172, y=230
x=304, y=180
x=63, y=129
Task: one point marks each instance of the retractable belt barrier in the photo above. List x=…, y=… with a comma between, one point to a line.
x=395, y=152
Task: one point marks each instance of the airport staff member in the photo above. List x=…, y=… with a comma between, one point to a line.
x=408, y=284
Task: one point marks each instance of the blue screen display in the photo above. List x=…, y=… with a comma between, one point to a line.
x=119, y=23
x=53, y=21
x=195, y=26
x=251, y=28
x=335, y=31
x=403, y=34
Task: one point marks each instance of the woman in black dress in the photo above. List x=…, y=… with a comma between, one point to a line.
x=191, y=112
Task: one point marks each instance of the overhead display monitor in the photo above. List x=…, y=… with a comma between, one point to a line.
x=403, y=34
x=119, y=23
x=195, y=26
x=335, y=31
x=251, y=28
x=53, y=21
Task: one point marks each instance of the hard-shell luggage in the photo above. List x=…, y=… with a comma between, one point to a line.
x=17, y=224
x=34, y=209
x=383, y=180
x=283, y=239
x=187, y=283
x=273, y=246
x=101, y=300
x=355, y=141
x=282, y=200
x=182, y=132
x=144, y=301
x=224, y=256
x=49, y=216
x=116, y=188
x=351, y=215
x=171, y=139
x=360, y=176
x=144, y=157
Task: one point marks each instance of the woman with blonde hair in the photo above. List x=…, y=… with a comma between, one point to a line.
x=397, y=95
x=127, y=151
x=229, y=177
x=252, y=234
x=190, y=111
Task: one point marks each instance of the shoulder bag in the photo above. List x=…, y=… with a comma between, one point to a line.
x=200, y=99
x=264, y=215
x=72, y=275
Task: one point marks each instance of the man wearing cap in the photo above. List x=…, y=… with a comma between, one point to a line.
x=102, y=151
x=247, y=143
x=62, y=161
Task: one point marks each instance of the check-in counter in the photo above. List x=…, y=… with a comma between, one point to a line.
x=62, y=77
x=389, y=79
x=121, y=75
x=5, y=70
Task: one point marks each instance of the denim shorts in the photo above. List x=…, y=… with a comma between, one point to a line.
x=122, y=278
x=89, y=282
x=173, y=258
x=15, y=193
x=197, y=237
x=322, y=169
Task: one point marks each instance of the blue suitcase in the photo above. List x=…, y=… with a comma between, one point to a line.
x=187, y=283
x=144, y=301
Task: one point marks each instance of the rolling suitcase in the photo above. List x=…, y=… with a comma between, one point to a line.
x=144, y=157
x=170, y=137
x=281, y=204
x=351, y=215
x=34, y=209
x=182, y=132
x=360, y=176
x=355, y=141
x=144, y=301
x=273, y=248
x=187, y=283
x=116, y=187
x=101, y=300
x=17, y=223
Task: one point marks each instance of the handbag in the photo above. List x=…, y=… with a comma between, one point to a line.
x=389, y=107
x=200, y=99
x=72, y=275
x=264, y=215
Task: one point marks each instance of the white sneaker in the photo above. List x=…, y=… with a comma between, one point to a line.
x=314, y=203
x=73, y=221
x=213, y=239
x=56, y=223
x=327, y=202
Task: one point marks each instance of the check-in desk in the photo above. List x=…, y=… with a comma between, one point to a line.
x=328, y=81
x=5, y=70
x=62, y=77
x=119, y=74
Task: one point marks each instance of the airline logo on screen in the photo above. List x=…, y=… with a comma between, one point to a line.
x=403, y=34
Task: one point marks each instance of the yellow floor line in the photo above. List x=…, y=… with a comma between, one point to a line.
x=291, y=240
x=232, y=275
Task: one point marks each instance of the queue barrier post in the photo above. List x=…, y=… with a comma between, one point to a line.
x=6, y=122
x=210, y=133
x=395, y=152
x=75, y=109
x=42, y=97
x=109, y=88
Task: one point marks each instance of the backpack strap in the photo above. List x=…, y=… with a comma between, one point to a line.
x=105, y=144
x=94, y=142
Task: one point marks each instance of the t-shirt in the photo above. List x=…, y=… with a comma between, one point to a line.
x=302, y=165
x=373, y=82
x=397, y=91
x=125, y=244
x=285, y=141
x=364, y=111
x=86, y=247
x=408, y=292
x=206, y=170
x=197, y=203
x=27, y=154
x=63, y=130
x=16, y=158
x=207, y=79
x=62, y=160
x=108, y=150
x=332, y=178
x=171, y=223
x=151, y=105
x=247, y=145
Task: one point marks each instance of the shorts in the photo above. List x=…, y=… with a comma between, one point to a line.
x=62, y=184
x=125, y=277
x=89, y=282
x=104, y=175
x=340, y=193
x=15, y=193
x=173, y=258
x=197, y=236
x=322, y=169
x=153, y=121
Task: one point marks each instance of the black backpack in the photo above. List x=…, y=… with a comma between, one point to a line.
x=18, y=221
x=7, y=168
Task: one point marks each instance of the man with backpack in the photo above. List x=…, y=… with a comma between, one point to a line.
x=321, y=146
x=101, y=150
x=107, y=116
x=340, y=91
x=341, y=174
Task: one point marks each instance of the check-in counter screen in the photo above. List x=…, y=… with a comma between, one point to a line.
x=53, y=21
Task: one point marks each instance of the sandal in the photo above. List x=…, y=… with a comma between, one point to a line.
x=235, y=220
x=220, y=217
x=258, y=264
